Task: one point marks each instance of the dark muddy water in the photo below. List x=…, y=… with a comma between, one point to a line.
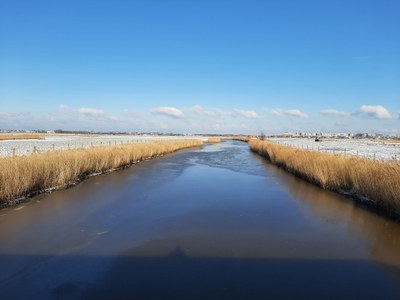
x=216, y=222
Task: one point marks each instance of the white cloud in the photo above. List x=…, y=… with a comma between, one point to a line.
x=249, y=114
x=334, y=112
x=375, y=111
x=277, y=112
x=91, y=112
x=168, y=111
x=291, y=112
x=199, y=110
x=296, y=113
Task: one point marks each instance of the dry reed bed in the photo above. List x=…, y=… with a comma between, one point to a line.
x=23, y=176
x=235, y=138
x=8, y=137
x=361, y=178
x=213, y=140
x=241, y=138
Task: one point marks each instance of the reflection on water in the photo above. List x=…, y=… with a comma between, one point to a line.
x=213, y=222
x=380, y=235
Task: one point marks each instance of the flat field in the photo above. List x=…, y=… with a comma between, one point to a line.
x=51, y=142
x=379, y=149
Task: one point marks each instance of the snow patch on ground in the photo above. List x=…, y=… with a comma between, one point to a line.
x=379, y=150
x=65, y=142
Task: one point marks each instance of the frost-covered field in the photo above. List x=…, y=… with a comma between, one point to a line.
x=379, y=150
x=69, y=141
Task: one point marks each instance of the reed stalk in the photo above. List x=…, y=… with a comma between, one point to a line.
x=22, y=176
x=373, y=181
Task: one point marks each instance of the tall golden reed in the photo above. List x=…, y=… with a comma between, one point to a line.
x=5, y=137
x=362, y=178
x=23, y=175
x=235, y=138
x=213, y=140
x=241, y=138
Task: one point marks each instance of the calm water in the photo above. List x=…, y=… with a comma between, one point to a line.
x=216, y=222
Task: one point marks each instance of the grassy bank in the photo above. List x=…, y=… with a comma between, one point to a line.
x=241, y=138
x=8, y=137
x=235, y=138
x=26, y=175
x=213, y=140
x=361, y=178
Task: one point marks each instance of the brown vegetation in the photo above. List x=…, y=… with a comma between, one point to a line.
x=236, y=138
x=241, y=138
x=25, y=175
x=362, y=178
x=213, y=140
x=7, y=137
x=391, y=141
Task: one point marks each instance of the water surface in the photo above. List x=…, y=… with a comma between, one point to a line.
x=216, y=222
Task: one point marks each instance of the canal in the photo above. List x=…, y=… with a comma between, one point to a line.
x=216, y=222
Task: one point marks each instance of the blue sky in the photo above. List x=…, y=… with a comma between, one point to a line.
x=200, y=66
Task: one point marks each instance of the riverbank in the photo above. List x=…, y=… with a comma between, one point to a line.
x=53, y=142
x=373, y=182
x=12, y=137
x=238, y=138
x=24, y=176
x=212, y=220
x=213, y=140
x=364, y=148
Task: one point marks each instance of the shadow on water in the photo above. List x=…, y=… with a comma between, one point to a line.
x=178, y=276
x=212, y=223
